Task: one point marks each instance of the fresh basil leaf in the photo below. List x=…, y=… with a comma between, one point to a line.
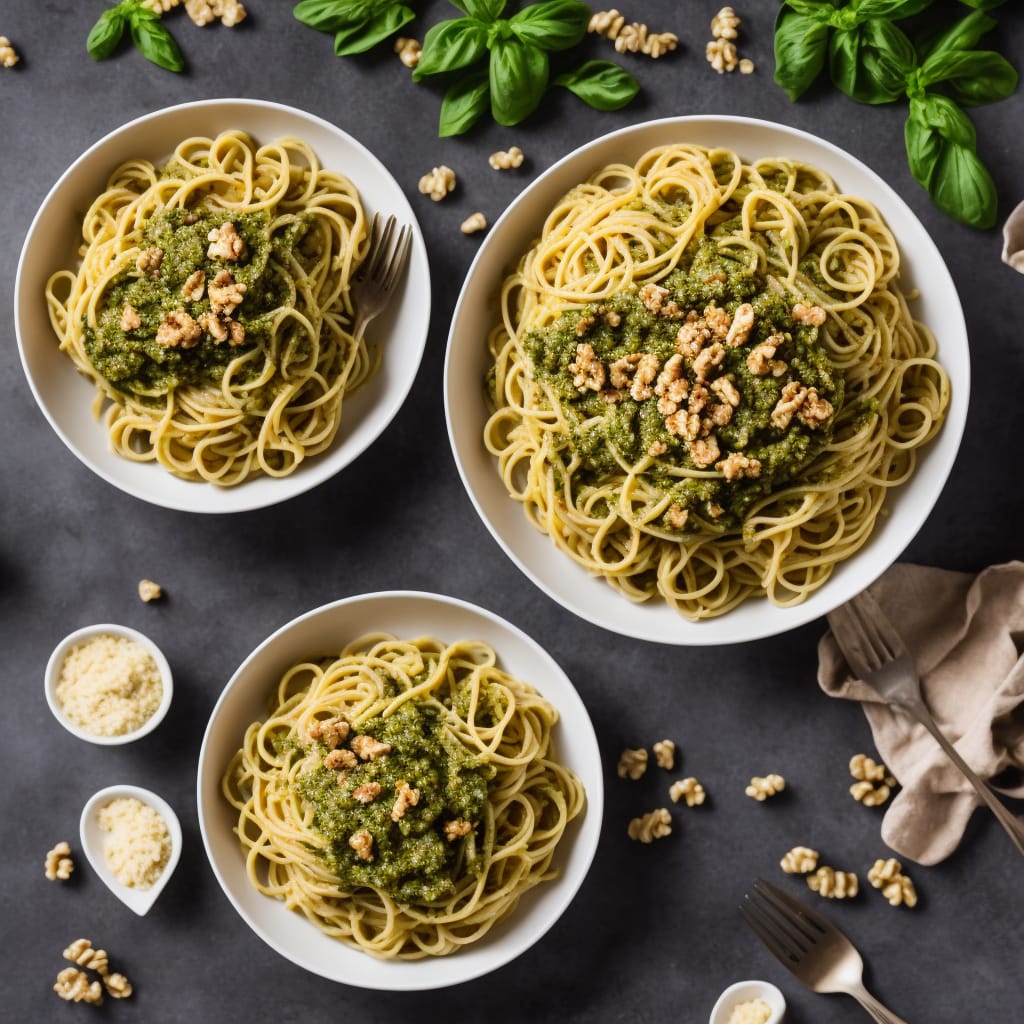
x=485, y=10
x=552, y=24
x=153, y=41
x=601, y=84
x=333, y=15
x=801, y=43
x=892, y=9
x=962, y=35
x=871, y=63
x=362, y=37
x=450, y=45
x=518, y=76
x=942, y=114
x=814, y=9
x=972, y=76
x=106, y=33
x=466, y=100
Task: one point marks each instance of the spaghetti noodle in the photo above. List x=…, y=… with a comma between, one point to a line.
x=211, y=308
x=403, y=795
x=705, y=378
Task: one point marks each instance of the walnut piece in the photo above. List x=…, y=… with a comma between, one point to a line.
x=8, y=55
x=589, y=372
x=721, y=55
x=833, y=884
x=148, y=262
x=178, y=328
x=438, y=183
x=74, y=986
x=725, y=23
x=339, y=759
x=203, y=12
x=456, y=829
x=225, y=243
x=192, y=289
x=59, y=864
x=329, y=731
x=874, y=785
x=801, y=860
x=506, y=159
x=150, y=591
x=80, y=952
x=632, y=763
x=406, y=797
x=742, y=324
x=367, y=792
x=813, y=315
x=117, y=986
x=654, y=825
x=225, y=293
x=130, y=319
x=762, y=787
x=473, y=223
x=736, y=466
x=896, y=887
x=665, y=754
x=408, y=50
x=688, y=789
x=362, y=843
x=368, y=748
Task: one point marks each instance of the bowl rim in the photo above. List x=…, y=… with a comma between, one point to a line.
x=55, y=662
x=741, y=625
x=416, y=975
x=320, y=468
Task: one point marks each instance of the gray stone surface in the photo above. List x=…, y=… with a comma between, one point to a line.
x=654, y=934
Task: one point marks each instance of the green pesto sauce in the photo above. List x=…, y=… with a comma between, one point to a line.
x=706, y=275
x=133, y=361
x=413, y=861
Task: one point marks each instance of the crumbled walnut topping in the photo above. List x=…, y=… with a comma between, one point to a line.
x=588, y=370
x=692, y=336
x=833, y=884
x=507, y=159
x=814, y=410
x=717, y=319
x=406, y=797
x=150, y=591
x=368, y=748
x=622, y=370
x=473, y=223
x=148, y=262
x=665, y=754
x=329, y=731
x=684, y=424
x=726, y=391
x=362, y=843
x=225, y=243
x=226, y=293
x=761, y=360
x=741, y=326
x=456, y=829
x=657, y=448
x=192, y=290
x=801, y=860
x=438, y=183
x=632, y=763
x=8, y=55
x=178, y=328
x=676, y=516
x=708, y=359
x=643, y=380
x=704, y=451
x=408, y=50
x=655, y=825
x=340, y=758
x=737, y=466
x=367, y=792
x=762, y=787
x=612, y=316
x=689, y=790
x=59, y=864
x=813, y=315
x=130, y=319
x=792, y=397
x=657, y=300
x=584, y=324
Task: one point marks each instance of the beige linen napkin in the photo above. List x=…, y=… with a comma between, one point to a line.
x=966, y=634
x=1013, y=239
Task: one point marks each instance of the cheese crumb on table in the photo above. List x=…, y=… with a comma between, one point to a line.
x=109, y=685
x=139, y=845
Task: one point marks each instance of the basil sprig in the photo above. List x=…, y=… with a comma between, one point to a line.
x=147, y=32
x=503, y=64
x=357, y=25
x=872, y=60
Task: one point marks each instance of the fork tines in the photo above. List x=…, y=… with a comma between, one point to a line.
x=789, y=928
x=864, y=634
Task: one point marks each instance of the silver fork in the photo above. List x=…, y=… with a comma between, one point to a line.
x=810, y=946
x=879, y=657
x=374, y=282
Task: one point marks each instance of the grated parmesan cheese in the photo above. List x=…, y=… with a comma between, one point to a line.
x=755, y=1011
x=139, y=845
x=109, y=685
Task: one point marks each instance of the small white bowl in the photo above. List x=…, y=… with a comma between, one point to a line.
x=93, y=838
x=52, y=675
x=745, y=991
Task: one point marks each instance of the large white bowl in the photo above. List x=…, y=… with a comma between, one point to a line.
x=66, y=397
x=467, y=361
x=324, y=631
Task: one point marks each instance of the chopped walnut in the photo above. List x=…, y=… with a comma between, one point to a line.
x=725, y=23
x=896, y=887
x=658, y=448
x=621, y=370
x=736, y=466
x=813, y=315
x=683, y=424
x=726, y=391
x=225, y=293
x=741, y=326
x=507, y=159
x=367, y=792
x=708, y=359
x=178, y=328
x=874, y=785
x=340, y=758
x=192, y=290
x=203, y=12
x=225, y=243
x=329, y=731
x=150, y=591
x=369, y=748
x=8, y=55
x=833, y=884
x=632, y=763
x=869, y=794
x=408, y=50
x=721, y=54
x=704, y=451
x=672, y=386
x=456, y=829
x=74, y=986
x=406, y=797
x=864, y=767
x=719, y=415
x=473, y=223
x=59, y=864
x=665, y=754
x=688, y=790
x=584, y=324
x=801, y=860
x=814, y=410
x=692, y=337
x=606, y=23
x=130, y=319
x=698, y=398
x=761, y=788
x=80, y=952
x=792, y=397
x=362, y=843
x=676, y=516
x=148, y=262
x=655, y=825
x=588, y=370
x=718, y=321
x=438, y=183
x=117, y=986
x=761, y=359
x=657, y=300
x=643, y=380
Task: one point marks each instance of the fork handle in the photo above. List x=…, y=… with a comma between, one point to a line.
x=1005, y=816
x=878, y=1012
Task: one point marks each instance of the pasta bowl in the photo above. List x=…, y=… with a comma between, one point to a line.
x=468, y=361
x=66, y=397
x=324, y=631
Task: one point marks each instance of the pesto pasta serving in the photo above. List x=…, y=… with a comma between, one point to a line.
x=403, y=795
x=706, y=378
x=211, y=307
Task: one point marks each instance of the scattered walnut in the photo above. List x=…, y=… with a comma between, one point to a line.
x=688, y=789
x=178, y=328
x=329, y=731
x=814, y=410
x=677, y=516
x=80, y=952
x=665, y=754
x=648, y=827
x=117, y=986
x=339, y=759
x=801, y=860
x=761, y=788
x=225, y=293
x=192, y=290
x=456, y=829
x=130, y=319
x=704, y=452
x=606, y=23
x=59, y=864
x=793, y=396
x=368, y=748
x=761, y=361
x=721, y=55
x=408, y=50
x=74, y=986
x=438, y=183
x=656, y=298
x=202, y=12
x=659, y=448
x=725, y=23
x=8, y=55
x=741, y=326
x=632, y=763
x=896, y=887
x=622, y=370
x=362, y=843
x=832, y=884
x=588, y=370
x=726, y=390
x=869, y=794
x=746, y=66
x=148, y=262
x=473, y=223
x=367, y=792
x=874, y=785
x=736, y=466
x=708, y=359
x=406, y=797
x=647, y=368
x=150, y=591
x=225, y=243
x=506, y=159
x=813, y=315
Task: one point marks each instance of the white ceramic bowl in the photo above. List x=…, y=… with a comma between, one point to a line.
x=467, y=361
x=747, y=991
x=66, y=397
x=328, y=629
x=79, y=636
x=93, y=838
